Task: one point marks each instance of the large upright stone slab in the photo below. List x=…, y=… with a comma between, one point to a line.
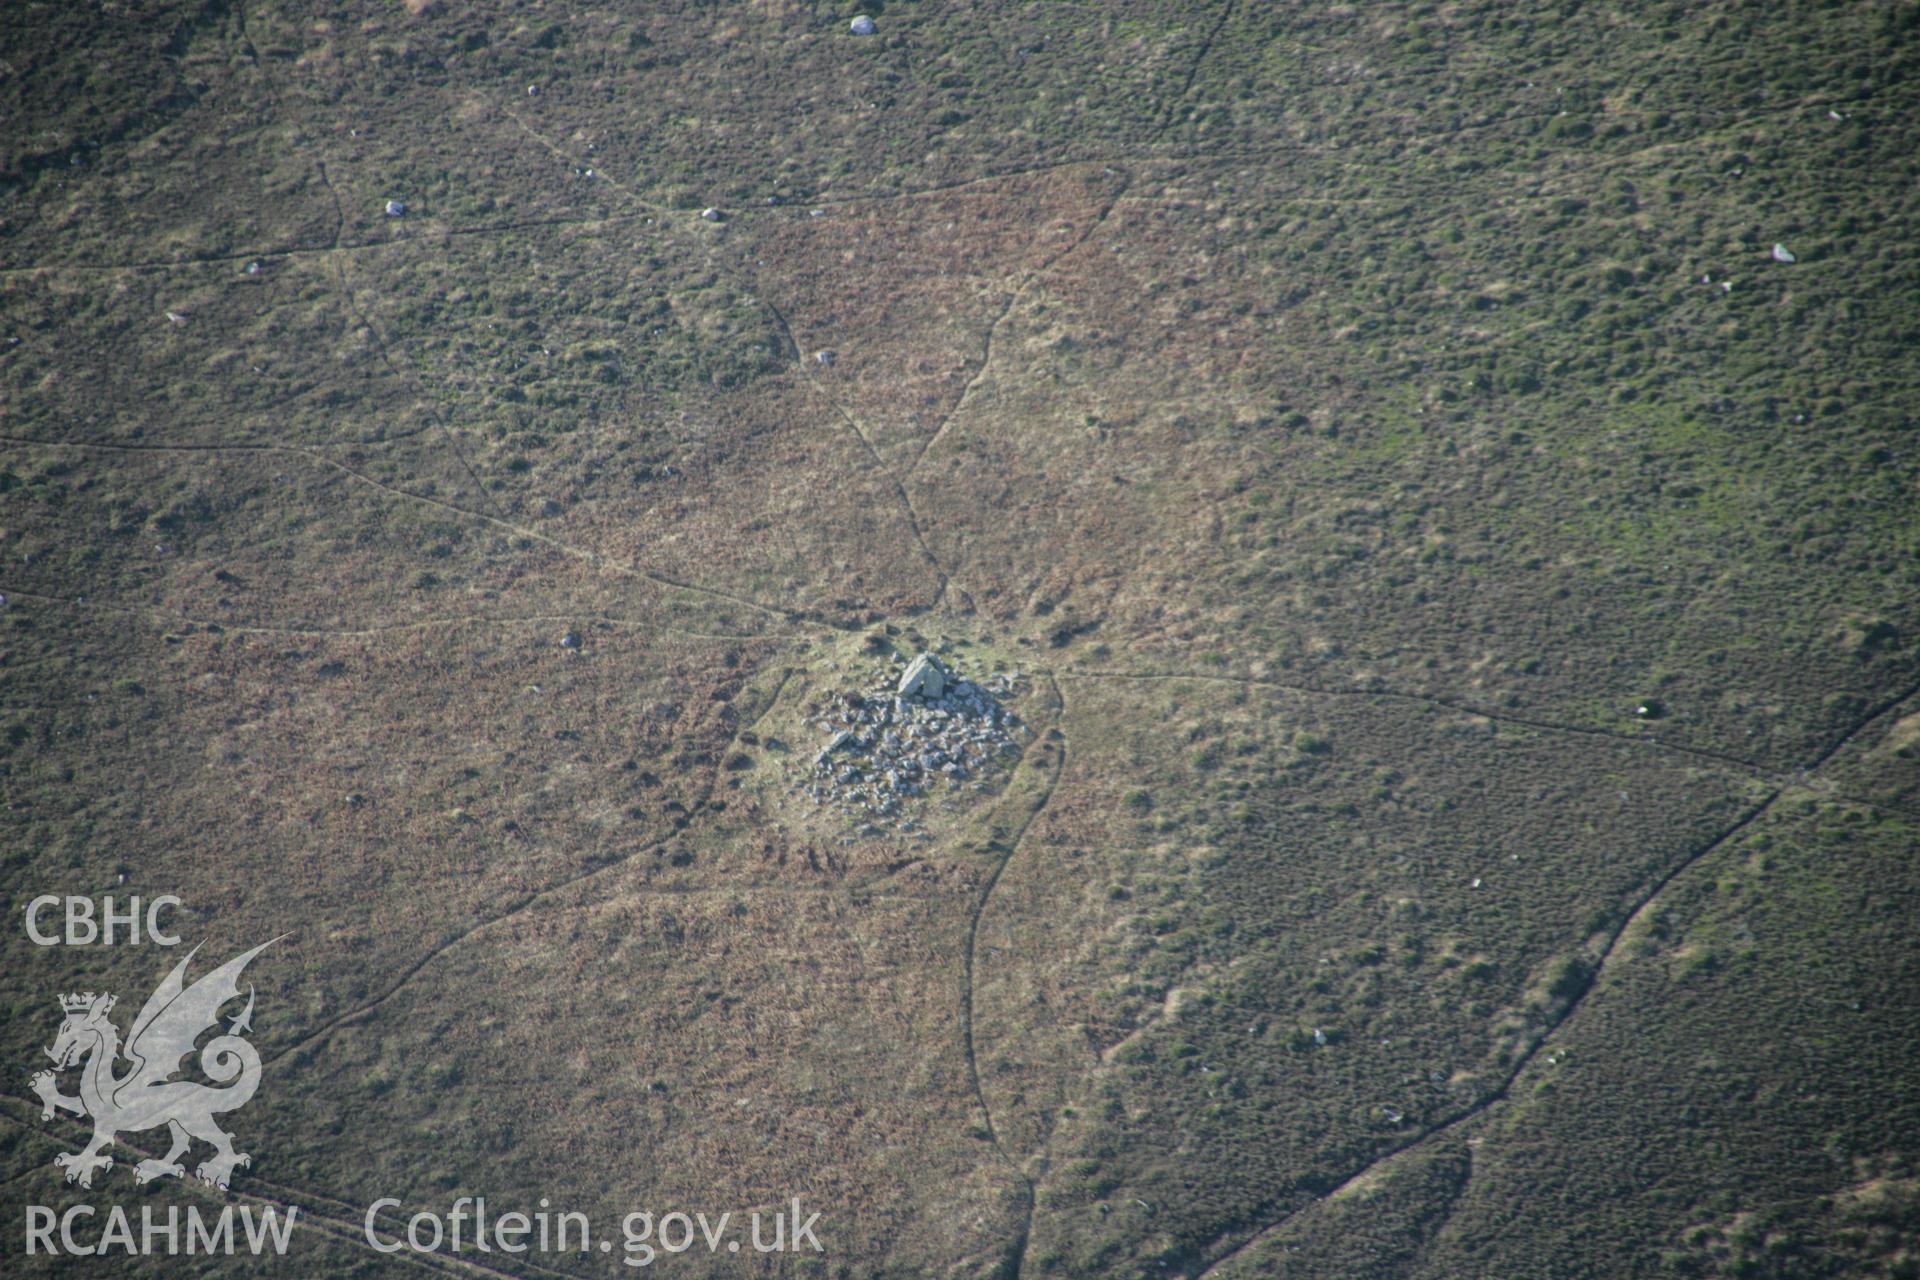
x=923, y=676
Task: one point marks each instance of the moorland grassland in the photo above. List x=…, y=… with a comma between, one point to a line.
x=1462, y=581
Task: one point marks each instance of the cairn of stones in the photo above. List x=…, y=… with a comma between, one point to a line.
x=918, y=731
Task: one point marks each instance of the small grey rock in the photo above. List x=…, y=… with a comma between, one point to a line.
x=841, y=739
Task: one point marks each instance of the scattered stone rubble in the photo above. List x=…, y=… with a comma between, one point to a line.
x=925, y=728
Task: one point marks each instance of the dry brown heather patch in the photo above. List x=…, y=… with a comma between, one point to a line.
x=733, y=1045
x=235, y=752
x=1088, y=434
x=904, y=294
x=776, y=502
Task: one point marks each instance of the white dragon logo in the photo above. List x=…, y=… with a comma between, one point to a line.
x=147, y=1096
